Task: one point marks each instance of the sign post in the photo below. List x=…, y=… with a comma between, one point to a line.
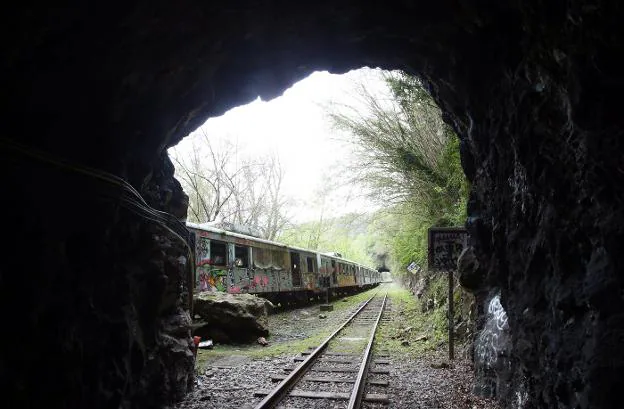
x=445, y=246
x=451, y=314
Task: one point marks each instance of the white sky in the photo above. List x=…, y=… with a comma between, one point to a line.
x=295, y=127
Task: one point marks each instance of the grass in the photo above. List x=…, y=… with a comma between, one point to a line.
x=353, y=300
x=294, y=347
x=406, y=322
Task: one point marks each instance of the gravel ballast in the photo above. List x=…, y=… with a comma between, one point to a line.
x=229, y=380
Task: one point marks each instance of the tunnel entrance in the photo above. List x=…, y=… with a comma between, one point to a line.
x=531, y=89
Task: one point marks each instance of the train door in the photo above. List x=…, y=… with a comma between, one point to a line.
x=334, y=273
x=324, y=272
x=280, y=265
x=310, y=276
x=295, y=268
x=212, y=265
x=261, y=279
x=240, y=269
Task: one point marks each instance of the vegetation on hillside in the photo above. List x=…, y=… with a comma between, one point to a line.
x=409, y=159
x=348, y=235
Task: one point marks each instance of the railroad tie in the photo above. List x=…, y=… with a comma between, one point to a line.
x=278, y=378
x=379, y=371
x=369, y=397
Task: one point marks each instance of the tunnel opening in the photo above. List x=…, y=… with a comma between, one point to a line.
x=531, y=89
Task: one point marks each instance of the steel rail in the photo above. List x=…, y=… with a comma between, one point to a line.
x=358, y=390
x=283, y=388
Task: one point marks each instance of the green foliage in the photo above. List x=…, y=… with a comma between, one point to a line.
x=424, y=331
x=408, y=157
x=347, y=235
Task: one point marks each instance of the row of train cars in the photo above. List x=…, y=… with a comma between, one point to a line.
x=237, y=263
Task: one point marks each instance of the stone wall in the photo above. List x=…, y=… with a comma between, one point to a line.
x=93, y=289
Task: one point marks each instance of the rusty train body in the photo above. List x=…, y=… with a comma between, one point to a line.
x=237, y=263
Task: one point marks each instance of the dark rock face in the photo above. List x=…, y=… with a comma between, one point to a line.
x=532, y=87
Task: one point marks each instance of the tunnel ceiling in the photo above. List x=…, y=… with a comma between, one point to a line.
x=533, y=88
x=149, y=75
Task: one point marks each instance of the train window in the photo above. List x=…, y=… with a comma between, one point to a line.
x=310, y=262
x=241, y=256
x=218, y=253
x=325, y=266
x=261, y=258
x=279, y=259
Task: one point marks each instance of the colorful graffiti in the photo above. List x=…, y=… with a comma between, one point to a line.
x=211, y=279
x=261, y=281
x=345, y=280
x=203, y=250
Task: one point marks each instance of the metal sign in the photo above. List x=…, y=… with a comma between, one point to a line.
x=445, y=245
x=413, y=268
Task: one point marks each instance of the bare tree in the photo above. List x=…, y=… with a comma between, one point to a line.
x=248, y=192
x=275, y=203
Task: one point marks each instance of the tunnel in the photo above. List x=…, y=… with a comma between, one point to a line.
x=94, y=273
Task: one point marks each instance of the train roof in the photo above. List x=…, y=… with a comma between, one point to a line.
x=265, y=241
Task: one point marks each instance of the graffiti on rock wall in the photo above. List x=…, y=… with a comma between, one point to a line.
x=211, y=279
x=493, y=343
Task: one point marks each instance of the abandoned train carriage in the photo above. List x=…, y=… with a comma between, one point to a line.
x=237, y=263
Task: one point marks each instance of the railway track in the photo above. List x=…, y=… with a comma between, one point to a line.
x=338, y=369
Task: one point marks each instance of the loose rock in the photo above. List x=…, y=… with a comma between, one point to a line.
x=231, y=317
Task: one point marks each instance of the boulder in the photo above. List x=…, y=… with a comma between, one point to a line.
x=231, y=317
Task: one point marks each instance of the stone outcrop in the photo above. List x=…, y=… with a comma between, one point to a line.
x=227, y=317
x=532, y=87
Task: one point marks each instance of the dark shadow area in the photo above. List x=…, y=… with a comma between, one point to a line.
x=94, y=282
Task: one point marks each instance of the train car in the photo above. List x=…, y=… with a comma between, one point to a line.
x=238, y=263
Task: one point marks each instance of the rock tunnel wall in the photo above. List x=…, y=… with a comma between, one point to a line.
x=96, y=291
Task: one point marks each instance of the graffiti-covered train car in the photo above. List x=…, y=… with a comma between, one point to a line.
x=237, y=263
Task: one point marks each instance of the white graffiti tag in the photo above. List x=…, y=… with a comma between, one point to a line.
x=494, y=338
